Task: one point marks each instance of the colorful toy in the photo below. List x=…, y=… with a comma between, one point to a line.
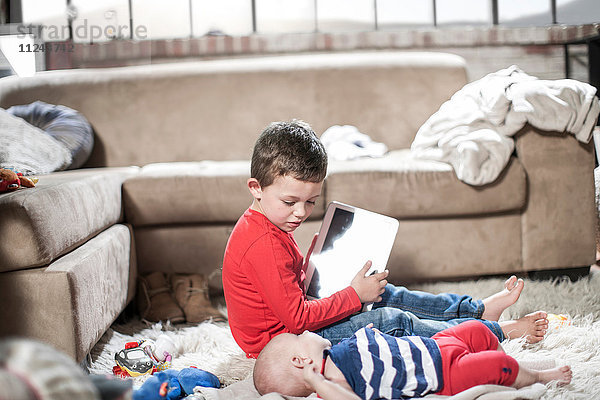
x=556, y=321
x=134, y=361
x=11, y=180
x=173, y=385
x=144, y=357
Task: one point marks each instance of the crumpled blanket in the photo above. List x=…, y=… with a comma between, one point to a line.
x=472, y=131
x=244, y=390
x=345, y=142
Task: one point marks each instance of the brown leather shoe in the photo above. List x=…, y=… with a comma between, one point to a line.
x=154, y=300
x=191, y=293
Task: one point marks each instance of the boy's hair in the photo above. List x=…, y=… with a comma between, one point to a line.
x=288, y=148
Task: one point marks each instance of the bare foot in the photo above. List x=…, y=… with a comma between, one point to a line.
x=562, y=375
x=497, y=303
x=532, y=326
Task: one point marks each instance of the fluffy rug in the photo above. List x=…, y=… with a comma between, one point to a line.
x=211, y=347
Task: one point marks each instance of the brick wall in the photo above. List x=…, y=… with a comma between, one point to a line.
x=540, y=51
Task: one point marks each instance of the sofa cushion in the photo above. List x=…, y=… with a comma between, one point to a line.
x=190, y=192
x=61, y=212
x=72, y=302
x=401, y=186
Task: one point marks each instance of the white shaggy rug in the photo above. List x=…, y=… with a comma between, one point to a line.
x=210, y=346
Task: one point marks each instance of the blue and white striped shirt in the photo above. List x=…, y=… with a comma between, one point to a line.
x=380, y=366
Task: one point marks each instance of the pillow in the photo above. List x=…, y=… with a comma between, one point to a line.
x=28, y=149
x=64, y=124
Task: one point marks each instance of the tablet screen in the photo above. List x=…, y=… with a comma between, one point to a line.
x=348, y=238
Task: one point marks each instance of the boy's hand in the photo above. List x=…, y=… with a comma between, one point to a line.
x=369, y=288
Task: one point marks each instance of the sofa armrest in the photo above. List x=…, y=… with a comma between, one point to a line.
x=559, y=220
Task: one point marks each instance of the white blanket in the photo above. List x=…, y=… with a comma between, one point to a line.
x=245, y=390
x=346, y=142
x=473, y=130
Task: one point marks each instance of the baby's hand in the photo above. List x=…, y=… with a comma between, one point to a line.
x=370, y=326
x=311, y=373
x=369, y=288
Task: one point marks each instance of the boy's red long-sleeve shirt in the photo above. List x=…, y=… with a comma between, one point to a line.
x=263, y=281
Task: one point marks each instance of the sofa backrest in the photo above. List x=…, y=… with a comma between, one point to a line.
x=214, y=110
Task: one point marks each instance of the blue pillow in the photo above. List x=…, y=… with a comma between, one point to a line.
x=64, y=124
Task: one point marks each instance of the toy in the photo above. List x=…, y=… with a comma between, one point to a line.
x=141, y=358
x=11, y=180
x=556, y=321
x=134, y=361
x=173, y=385
x=164, y=346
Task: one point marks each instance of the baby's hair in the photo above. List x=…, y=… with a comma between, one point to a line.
x=288, y=148
x=273, y=371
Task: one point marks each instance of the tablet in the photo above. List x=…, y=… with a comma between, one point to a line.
x=348, y=238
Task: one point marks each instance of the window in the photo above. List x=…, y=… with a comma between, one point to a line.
x=162, y=19
x=94, y=21
x=345, y=15
x=277, y=16
x=524, y=13
x=577, y=11
x=49, y=15
x=100, y=21
x=393, y=14
x=464, y=12
x=231, y=17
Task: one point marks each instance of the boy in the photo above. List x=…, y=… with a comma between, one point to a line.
x=264, y=271
x=373, y=365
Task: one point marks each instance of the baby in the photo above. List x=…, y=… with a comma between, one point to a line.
x=371, y=364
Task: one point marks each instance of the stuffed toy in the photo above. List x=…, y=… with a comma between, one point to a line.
x=11, y=180
x=173, y=385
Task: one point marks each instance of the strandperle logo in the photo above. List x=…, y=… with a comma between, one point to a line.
x=84, y=31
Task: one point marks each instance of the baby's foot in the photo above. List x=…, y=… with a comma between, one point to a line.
x=532, y=326
x=497, y=303
x=562, y=375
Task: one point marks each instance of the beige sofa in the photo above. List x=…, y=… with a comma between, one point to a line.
x=170, y=164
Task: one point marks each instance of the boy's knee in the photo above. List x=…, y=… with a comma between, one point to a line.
x=392, y=321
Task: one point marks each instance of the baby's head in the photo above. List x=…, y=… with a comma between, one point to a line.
x=279, y=365
x=288, y=149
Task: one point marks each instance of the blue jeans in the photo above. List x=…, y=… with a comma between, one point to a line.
x=403, y=312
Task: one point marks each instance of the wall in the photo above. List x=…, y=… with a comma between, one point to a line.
x=540, y=51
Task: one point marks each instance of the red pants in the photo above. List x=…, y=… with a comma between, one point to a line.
x=470, y=358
